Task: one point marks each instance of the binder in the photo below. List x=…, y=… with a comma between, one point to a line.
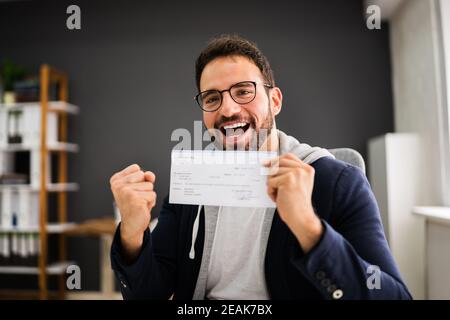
x=14, y=207
x=33, y=214
x=3, y=260
x=14, y=248
x=22, y=250
x=24, y=212
x=35, y=169
x=6, y=216
x=6, y=162
x=3, y=128
x=11, y=125
x=32, y=127
x=31, y=240
x=4, y=248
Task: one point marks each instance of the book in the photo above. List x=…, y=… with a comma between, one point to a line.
x=28, y=90
x=13, y=178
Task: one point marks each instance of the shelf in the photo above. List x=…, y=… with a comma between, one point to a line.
x=58, y=187
x=51, y=187
x=53, y=147
x=24, y=294
x=51, y=228
x=437, y=214
x=53, y=106
x=52, y=269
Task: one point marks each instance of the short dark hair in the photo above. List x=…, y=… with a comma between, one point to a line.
x=233, y=45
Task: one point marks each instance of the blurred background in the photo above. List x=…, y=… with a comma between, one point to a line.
x=347, y=81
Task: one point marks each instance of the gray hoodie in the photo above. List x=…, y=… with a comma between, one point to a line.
x=287, y=144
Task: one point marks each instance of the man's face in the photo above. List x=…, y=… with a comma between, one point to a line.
x=239, y=124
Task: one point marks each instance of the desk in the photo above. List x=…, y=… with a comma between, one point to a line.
x=103, y=228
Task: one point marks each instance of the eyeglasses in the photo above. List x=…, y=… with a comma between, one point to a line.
x=242, y=92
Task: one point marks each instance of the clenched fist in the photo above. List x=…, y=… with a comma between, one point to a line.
x=134, y=195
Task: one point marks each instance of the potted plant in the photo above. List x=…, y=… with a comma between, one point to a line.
x=10, y=73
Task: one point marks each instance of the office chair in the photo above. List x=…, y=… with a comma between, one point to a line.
x=350, y=156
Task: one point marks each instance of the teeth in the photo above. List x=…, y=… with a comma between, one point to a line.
x=236, y=125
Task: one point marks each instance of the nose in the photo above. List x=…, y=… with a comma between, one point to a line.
x=229, y=106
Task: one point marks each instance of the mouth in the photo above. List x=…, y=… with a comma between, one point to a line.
x=235, y=132
x=234, y=129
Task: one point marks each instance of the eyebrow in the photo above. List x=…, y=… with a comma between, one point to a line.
x=209, y=92
x=238, y=84
x=242, y=84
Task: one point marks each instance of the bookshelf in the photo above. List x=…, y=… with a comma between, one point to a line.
x=27, y=217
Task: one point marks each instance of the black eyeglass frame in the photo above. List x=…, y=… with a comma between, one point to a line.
x=196, y=98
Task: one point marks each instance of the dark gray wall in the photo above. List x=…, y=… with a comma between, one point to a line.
x=131, y=72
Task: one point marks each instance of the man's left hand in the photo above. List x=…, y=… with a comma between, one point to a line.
x=290, y=185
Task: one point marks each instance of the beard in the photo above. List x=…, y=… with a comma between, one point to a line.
x=246, y=138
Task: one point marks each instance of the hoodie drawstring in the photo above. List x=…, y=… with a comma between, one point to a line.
x=194, y=233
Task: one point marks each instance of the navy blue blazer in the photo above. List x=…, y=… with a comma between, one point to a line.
x=337, y=267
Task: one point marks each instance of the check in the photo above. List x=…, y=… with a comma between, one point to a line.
x=220, y=178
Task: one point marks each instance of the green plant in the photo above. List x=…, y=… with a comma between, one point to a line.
x=11, y=73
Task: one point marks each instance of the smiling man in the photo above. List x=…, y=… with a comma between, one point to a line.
x=322, y=241
x=237, y=127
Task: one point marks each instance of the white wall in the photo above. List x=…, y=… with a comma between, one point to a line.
x=396, y=185
x=417, y=77
x=420, y=100
x=445, y=22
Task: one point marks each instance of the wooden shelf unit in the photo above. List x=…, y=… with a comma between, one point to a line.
x=48, y=75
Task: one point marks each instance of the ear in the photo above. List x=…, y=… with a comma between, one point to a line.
x=277, y=100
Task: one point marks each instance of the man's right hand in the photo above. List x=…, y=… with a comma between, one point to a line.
x=133, y=192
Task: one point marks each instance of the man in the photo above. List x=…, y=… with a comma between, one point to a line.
x=319, y=243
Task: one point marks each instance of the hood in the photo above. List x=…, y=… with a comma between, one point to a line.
x=303, y=151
